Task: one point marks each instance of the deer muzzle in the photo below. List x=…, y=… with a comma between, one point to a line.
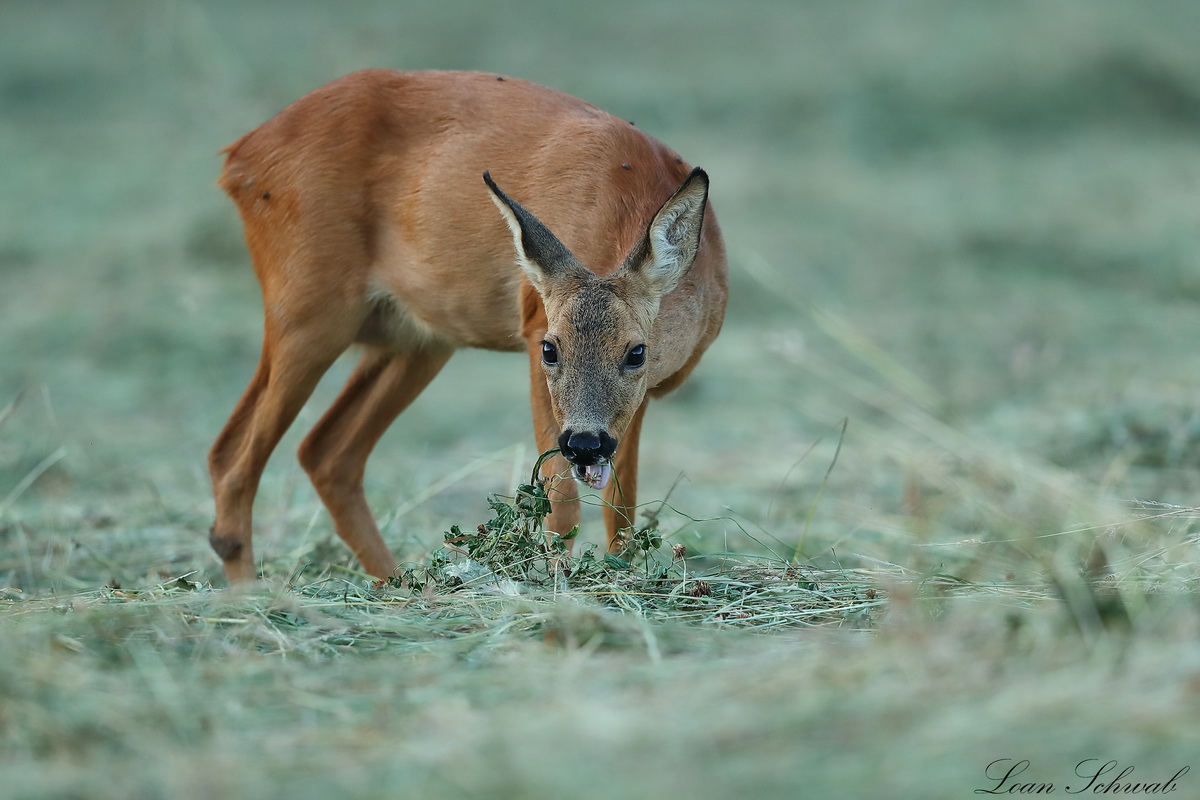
x=590, y=455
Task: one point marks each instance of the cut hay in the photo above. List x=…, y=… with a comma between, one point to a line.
x=511, y=555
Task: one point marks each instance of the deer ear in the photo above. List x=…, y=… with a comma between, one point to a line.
x=542, y=257
x=667, y=251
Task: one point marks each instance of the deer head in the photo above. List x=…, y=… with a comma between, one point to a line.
x=597, y=353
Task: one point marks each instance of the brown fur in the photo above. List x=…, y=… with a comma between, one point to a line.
x=367, y=221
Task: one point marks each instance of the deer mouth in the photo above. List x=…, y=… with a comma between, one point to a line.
x=594, y=475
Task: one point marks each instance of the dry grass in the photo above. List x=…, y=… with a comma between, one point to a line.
x=184, y=692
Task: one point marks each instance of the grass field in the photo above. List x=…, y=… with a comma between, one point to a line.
x=967, y=232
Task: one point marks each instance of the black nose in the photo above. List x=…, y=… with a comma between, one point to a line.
x=586, y=447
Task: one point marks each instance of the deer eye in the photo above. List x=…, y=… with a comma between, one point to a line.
x=636, y=357
x=549, y=354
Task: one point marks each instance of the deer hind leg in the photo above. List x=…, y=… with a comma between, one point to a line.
x=335, y=452
x=620, y=496
x=288, y=371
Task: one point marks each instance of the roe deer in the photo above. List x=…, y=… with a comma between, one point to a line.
x=368, y=212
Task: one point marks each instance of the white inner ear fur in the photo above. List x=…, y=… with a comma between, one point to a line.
x=675, y=240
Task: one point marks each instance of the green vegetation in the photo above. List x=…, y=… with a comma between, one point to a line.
x=968, y=231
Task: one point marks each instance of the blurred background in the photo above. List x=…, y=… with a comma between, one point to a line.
x=968, y=230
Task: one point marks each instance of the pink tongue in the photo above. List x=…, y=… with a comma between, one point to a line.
x=596, y=476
